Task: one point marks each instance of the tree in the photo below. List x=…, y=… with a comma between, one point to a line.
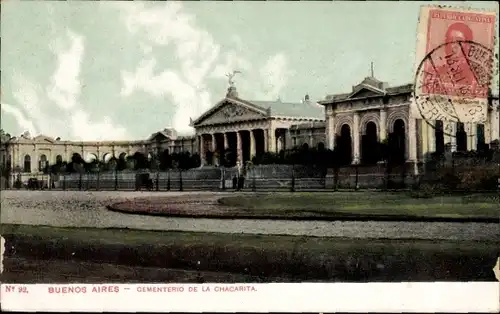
x=165, y=160
x=141, y=161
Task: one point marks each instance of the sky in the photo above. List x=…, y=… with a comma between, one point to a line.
x=85, y=70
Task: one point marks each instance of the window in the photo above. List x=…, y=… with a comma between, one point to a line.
x=42, y=163
x=294, y=140
x=27, y=163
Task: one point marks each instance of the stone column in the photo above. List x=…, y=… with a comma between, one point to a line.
x=213, y=144
x=452, y=138
x=431, y=136
x=412, y=144
x=330, y=131
x=14, y=158
x=494, y=124
x=266, y=141
x=472, y=136
x=355, y=138
x=213, y=148
x=272, y=140
x=66, y=153
x=383, y=125
x=35, y=162
x=226, y=143
x=202, y=151
x=239, y=150
x=252, y=144
x=412, y=140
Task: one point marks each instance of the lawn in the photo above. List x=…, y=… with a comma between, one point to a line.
x=296, y=258
x=364, y=204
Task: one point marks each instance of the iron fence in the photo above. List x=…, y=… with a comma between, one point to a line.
x=261, y=178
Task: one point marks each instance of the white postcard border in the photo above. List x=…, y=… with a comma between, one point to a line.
x=273, y=297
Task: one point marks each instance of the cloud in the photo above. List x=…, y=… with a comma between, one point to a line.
x=36, y=112
x=21, y=119
x=199, y=58
x=95, y=130
x=167, y=83
x=65, y=87
x=274, y=75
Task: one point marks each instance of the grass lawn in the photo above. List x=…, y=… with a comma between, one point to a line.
x=294, y=257
x=341, y=204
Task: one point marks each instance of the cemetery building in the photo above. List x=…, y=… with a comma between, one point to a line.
x=244, y=129
x=240, y=129
x=374, y=112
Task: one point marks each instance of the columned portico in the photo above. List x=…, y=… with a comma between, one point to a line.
x=250, y=128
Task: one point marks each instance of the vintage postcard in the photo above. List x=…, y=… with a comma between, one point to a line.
x=247, y=156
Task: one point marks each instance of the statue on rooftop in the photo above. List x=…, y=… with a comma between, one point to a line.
x=230, y=77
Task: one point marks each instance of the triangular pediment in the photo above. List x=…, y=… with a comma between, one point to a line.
x=158, y=136
x=228, y=110
x=365, y=91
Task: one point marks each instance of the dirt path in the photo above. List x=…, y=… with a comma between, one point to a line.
x=87, y=209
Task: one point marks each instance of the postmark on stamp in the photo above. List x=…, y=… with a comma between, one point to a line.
x=454, y=65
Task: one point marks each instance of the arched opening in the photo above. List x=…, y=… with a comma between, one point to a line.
x=107, y=157
x=439, y=136
x=344, y=146
x=59, y=160
x=369, y=144
x=27, y=163
x=42, y=163
x=397, y=142
x=122, y=162
x=461, y=137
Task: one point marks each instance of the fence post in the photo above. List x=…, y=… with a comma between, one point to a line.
x=157, y=180
x=98, y=184
x=116, y=178
x=168, y=180
x=181, y=188
x=80, y=181
x=356, y=184
x=403, y=176
x=254, y=183
x=292, y=188
x=387, y=176
x=223, y=172
x=324, y=175
x=335, y=178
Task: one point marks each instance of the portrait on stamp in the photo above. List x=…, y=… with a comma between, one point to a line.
x=455, y=59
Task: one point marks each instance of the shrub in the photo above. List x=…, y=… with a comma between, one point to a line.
x=18, y=184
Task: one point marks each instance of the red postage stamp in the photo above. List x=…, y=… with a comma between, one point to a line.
x=455, y=60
